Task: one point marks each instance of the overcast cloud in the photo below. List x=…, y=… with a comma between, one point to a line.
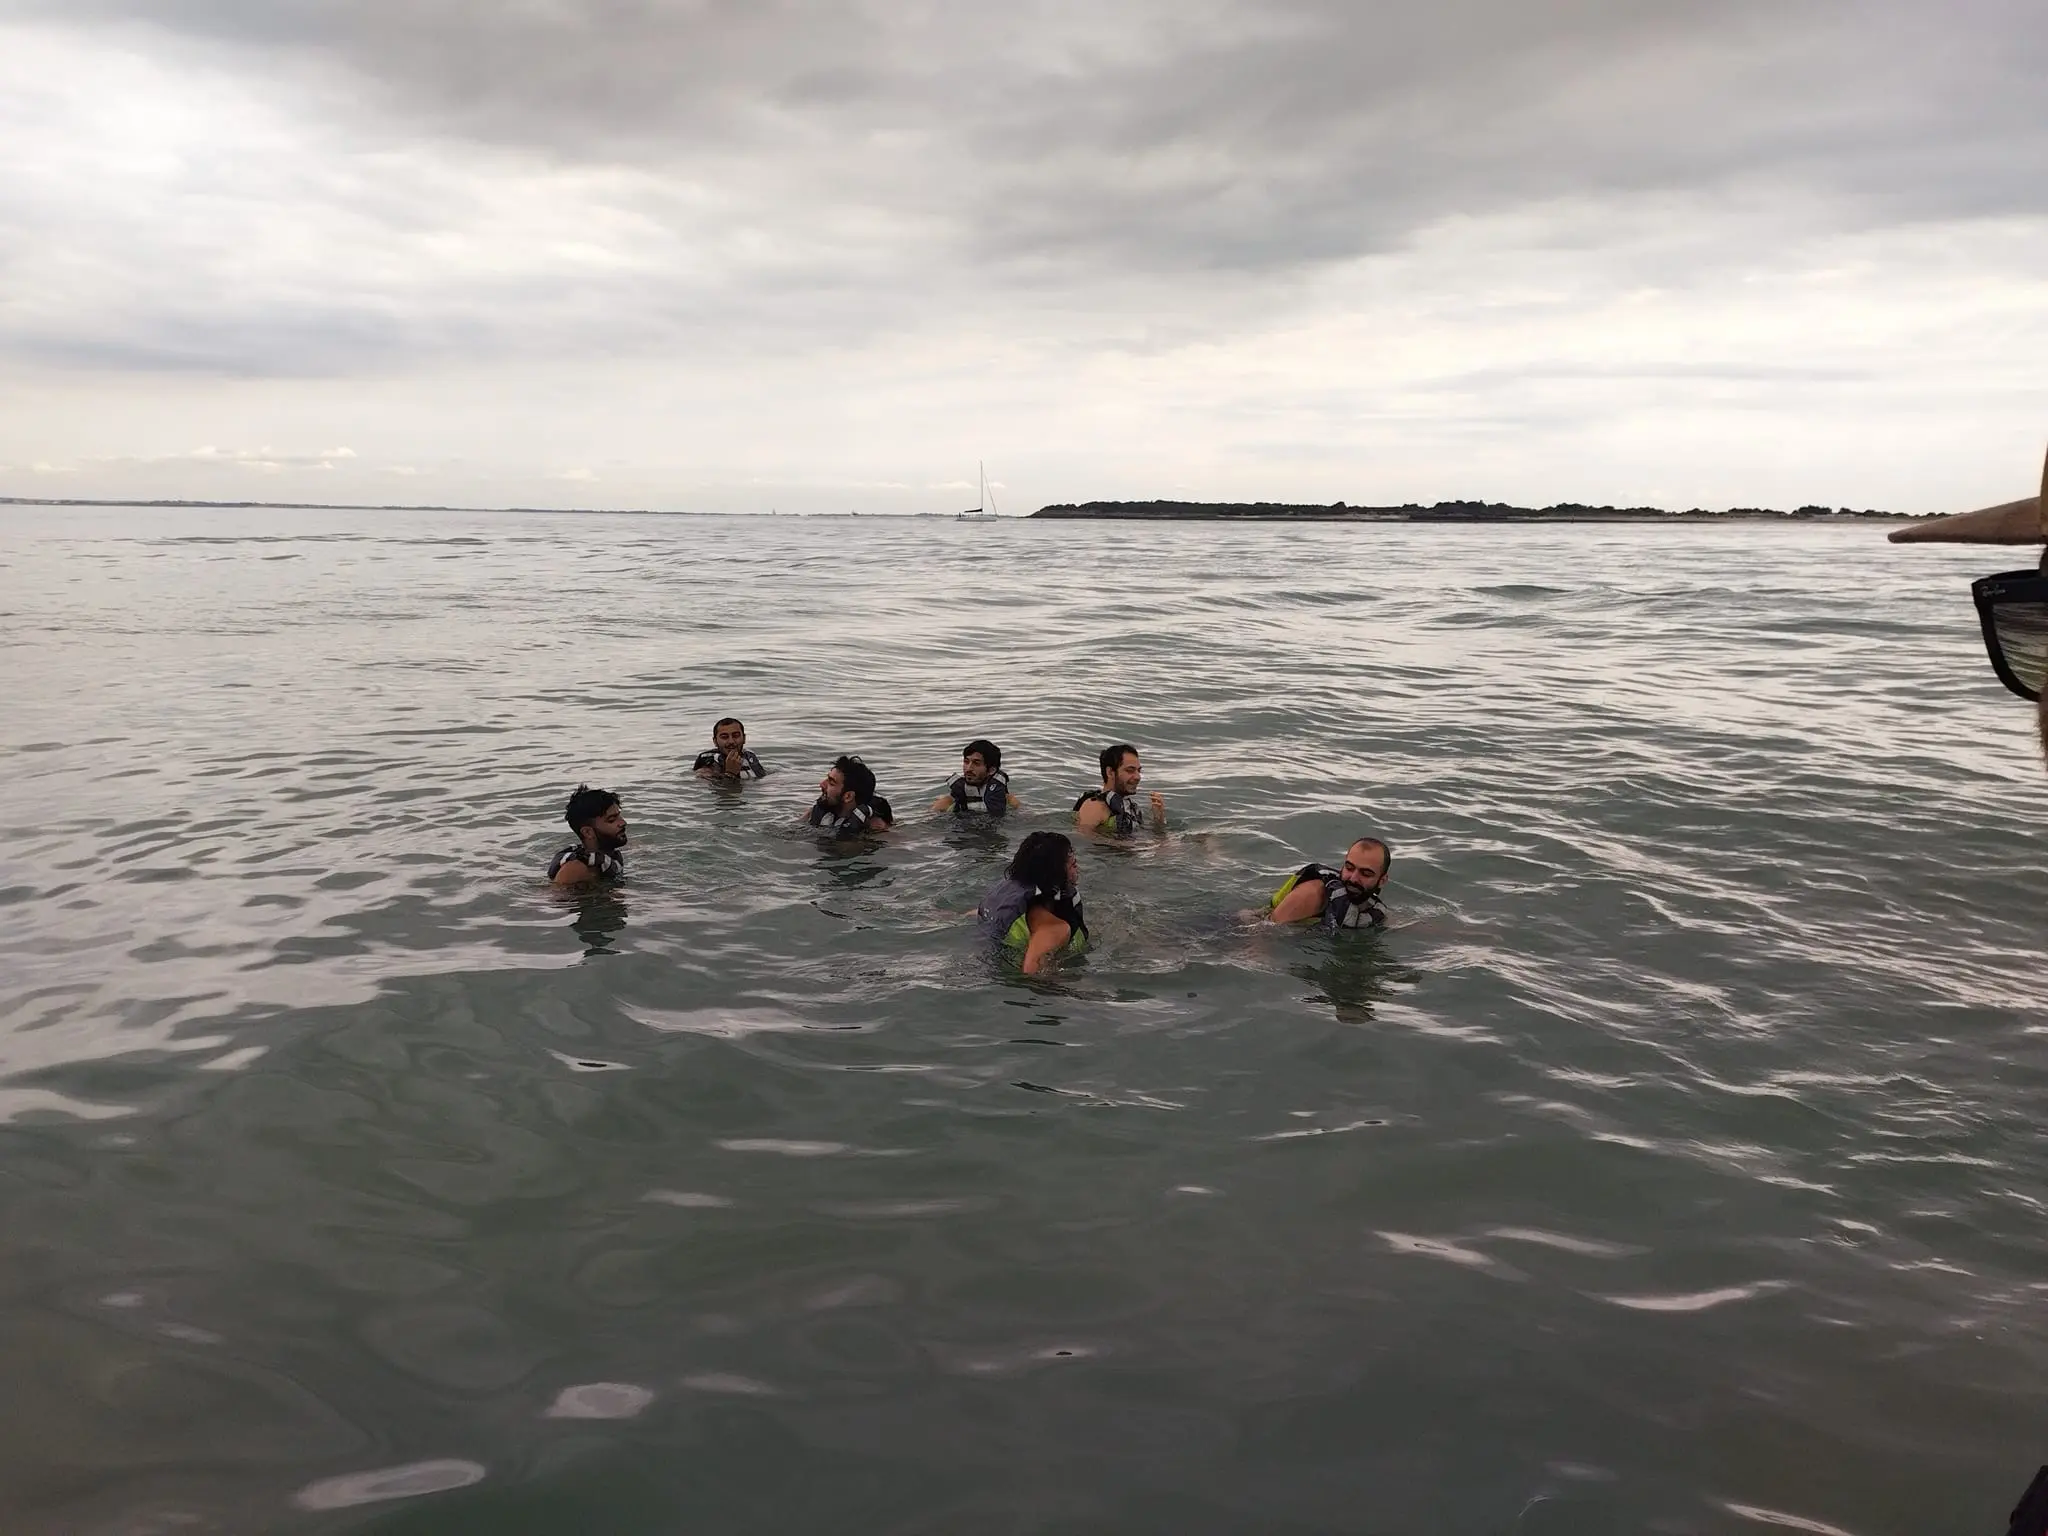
x=734, y=256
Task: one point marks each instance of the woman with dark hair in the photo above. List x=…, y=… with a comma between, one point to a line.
x=1036, y=906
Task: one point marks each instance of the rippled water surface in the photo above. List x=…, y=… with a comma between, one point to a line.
x=1673, y=1164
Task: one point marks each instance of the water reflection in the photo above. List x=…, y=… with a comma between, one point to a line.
x=406, y=1482
x=848, y=868
x=386, y=1161
x=600, y=917
x=1356, y=973
x=976, y=835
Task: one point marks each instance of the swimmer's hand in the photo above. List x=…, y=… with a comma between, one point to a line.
x=1159, y=810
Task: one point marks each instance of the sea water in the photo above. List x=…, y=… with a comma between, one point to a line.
x=1673, y=1162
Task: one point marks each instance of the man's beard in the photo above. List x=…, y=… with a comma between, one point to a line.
x=609, y=844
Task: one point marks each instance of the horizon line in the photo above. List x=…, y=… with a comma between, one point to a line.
x=1292, y=510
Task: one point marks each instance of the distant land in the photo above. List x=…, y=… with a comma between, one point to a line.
x=1445, y=512
x=1154, y=511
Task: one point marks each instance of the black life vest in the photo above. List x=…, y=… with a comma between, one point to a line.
x=750, y=766
x=1341, y=909
x=1066, y=906
x=607, y=866
x=827, y=817
x=1126, y=811
x=991, y=797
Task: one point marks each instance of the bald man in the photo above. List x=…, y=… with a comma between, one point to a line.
x=1347, y=897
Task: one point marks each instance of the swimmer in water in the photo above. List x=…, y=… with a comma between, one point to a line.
x=1036, y=906
x=847, y=803
x=1115, y=807
x=1344, y=898
x=729, y=757
x=981, y=788
x=600, y=827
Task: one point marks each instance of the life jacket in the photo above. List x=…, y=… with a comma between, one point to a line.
x=1340, y=908
x=1005, y=913
x=751, y=766
x=991, y=797
x=829, y=818
x=609, y=866
x=1126, y=811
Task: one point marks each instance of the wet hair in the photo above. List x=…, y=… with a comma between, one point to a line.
x=721, y=725
x=586, y=805
x=859, y=777
x=1041, y=861
x=990, y=752
x=1113, y=757
x=1386, y=853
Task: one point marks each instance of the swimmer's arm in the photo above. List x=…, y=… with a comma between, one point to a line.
x=1302, y=904
x=1159, y=811
x=943, y=803
x=1015, y=803
x=574, y=872
x=1048, y=933
x=1093, y=813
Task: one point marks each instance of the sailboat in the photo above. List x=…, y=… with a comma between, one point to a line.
x=988, y=500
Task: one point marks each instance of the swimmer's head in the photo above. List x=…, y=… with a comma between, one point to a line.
x=978, y=759
x=1367, y=863
x=1046, y=862
x=848, y=776
x=1120, y=770
x=598, y=810
x=728, y=735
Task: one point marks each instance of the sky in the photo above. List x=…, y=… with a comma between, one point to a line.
x=741, y=255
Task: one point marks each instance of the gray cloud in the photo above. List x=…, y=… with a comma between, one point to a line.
x=387, y=188
x=1239, y=136
x=805, y=171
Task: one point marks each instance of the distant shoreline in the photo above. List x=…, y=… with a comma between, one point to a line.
x=1140, y=511
x=1448, y=512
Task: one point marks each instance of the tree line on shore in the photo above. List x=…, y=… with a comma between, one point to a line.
x=1440, y=512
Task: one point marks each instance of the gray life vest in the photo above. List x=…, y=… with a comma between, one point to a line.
x=991, y=797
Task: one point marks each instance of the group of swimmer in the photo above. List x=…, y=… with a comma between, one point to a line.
x=1036, y=906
